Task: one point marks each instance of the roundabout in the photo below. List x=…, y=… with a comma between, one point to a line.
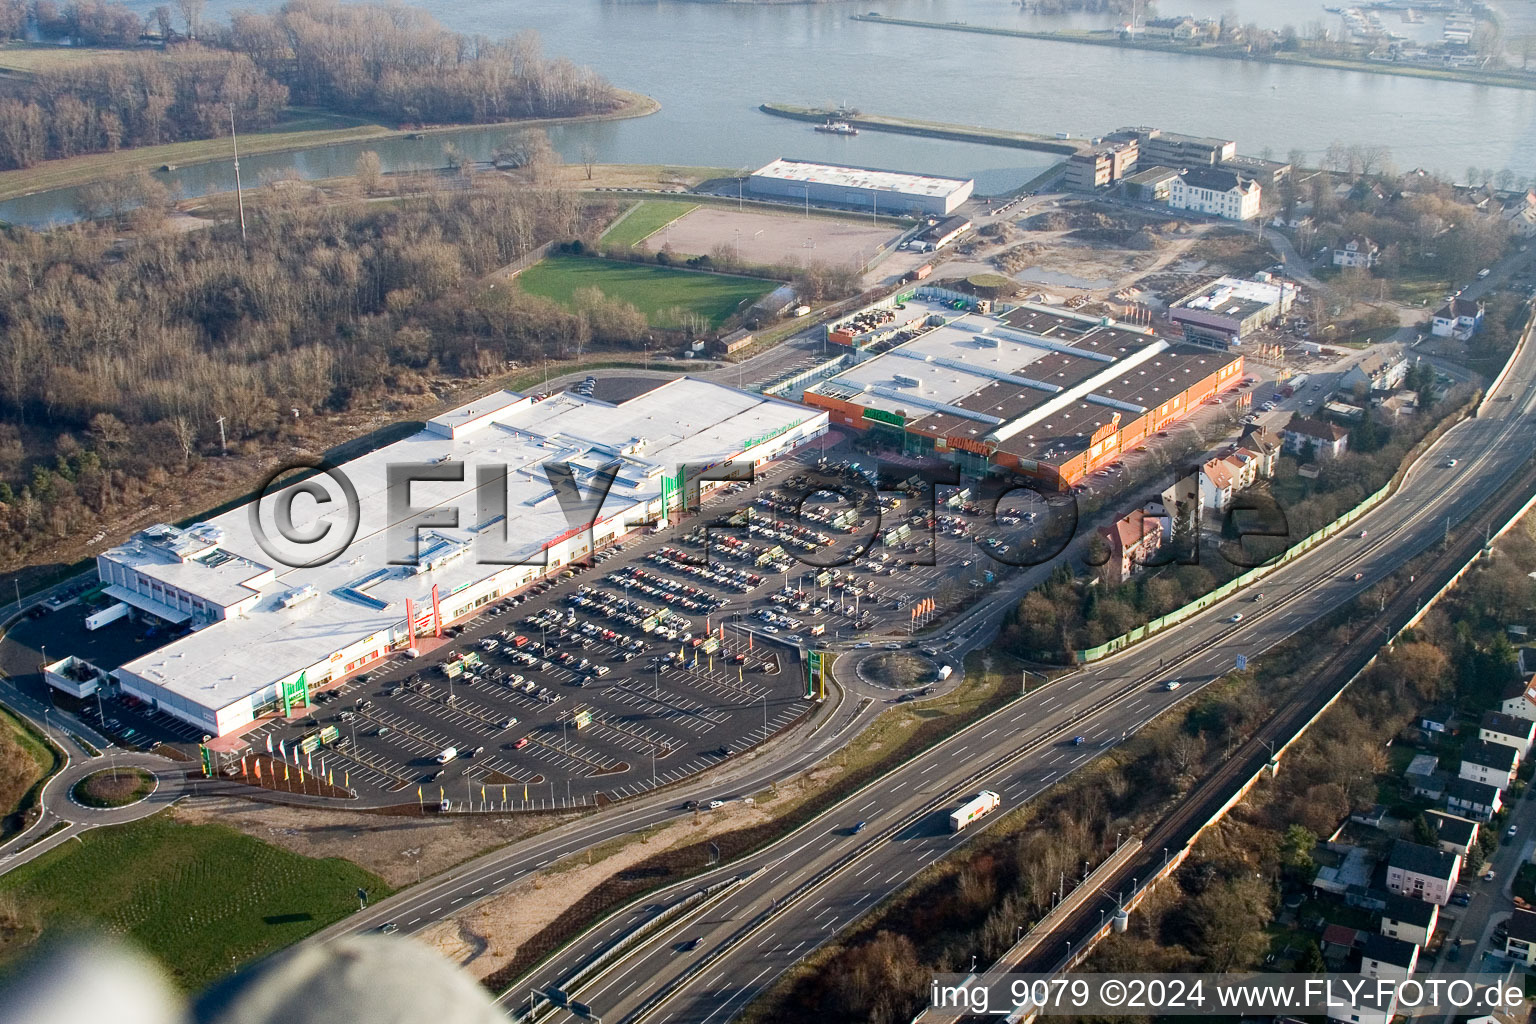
x=111, y=788
x=897, y=670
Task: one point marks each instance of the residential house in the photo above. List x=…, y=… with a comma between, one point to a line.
x=1491, y=763
x=1182, y=504
x=1131, y=541
x=1357, y=252
x=1459, y=318
x=1264, y=445
x=1520, y=215
x=1386, y=957
x=1381, y=370
x=1409, y=920
x=1454, y=833
x=1222, y=478
x=1423, y=872
x=1180, y=29
x=1476, y=800
x=1217, y=193
x=1324, y=440
x=1507, y=730
x=1521, y=944
x=1518, y=701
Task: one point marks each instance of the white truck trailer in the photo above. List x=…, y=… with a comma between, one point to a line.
x=981, y=804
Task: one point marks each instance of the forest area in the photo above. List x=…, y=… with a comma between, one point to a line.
x=122, y=354
x=395, y=64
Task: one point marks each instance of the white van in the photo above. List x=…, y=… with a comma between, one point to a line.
x=448, y=754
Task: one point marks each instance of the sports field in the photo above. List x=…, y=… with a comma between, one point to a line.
x=775, y=239
x=656, y=291
x=647, y=216
x=200, y=899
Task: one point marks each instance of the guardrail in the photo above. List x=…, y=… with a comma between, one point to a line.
x=1232, y=586
x=561, y=995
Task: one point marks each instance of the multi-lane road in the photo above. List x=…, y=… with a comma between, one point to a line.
x=825, y=875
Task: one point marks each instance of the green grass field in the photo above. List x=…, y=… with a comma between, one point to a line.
x=199, y=898
x=644, y=220
x=652, y=289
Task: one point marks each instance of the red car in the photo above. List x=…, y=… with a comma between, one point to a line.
x=519, y=640
x=520, y=744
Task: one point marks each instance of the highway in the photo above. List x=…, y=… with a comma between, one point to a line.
x=822, y=877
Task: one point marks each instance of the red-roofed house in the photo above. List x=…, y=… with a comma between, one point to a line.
x=1222, y=478
x=1131, y=543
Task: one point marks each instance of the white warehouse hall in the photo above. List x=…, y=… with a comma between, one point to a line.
x=263, y=634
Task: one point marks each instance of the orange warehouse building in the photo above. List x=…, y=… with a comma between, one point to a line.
x=1038, y=391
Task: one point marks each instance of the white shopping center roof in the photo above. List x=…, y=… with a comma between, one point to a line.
x=862, y=177
x=685, y=421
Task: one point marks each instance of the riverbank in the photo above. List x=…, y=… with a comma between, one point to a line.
x=308, y=129
x=1498, y=79
x=929, y=129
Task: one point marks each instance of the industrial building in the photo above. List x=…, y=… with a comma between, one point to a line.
x=1034, y=390
x=863, y=188
x=1171, y=149
x=260, y=636
x=1101, y=164
x=1230, y=308
x=1150, y=185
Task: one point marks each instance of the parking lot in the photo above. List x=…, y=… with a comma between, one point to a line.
x=670, y=653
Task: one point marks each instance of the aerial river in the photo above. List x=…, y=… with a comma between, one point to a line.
x=710, y=65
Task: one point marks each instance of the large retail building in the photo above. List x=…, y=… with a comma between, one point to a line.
x=1034, y=390
x=863, y=188
x=263, y=635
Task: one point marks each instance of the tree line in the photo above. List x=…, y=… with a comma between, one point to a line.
x=396, y=63
x=400, y=63
x=122, y=356
x=140, y=99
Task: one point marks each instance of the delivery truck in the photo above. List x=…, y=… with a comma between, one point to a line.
x=983, y=803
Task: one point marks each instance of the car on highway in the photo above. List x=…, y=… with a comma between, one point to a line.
x=1172, y=684
x=859, y=827
x=690, y=945
x=1450, y=463
x=1258, y=596
x=1512, y=831
x=1359, y=576
x=1236, y=617
x=1078, y=741
x=861, y=645
x=1362, y=534
x=388, y=928
x=715, y=803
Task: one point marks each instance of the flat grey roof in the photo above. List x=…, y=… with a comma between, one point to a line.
x=686, y=421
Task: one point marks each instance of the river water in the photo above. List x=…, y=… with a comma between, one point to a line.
x=710, y=65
